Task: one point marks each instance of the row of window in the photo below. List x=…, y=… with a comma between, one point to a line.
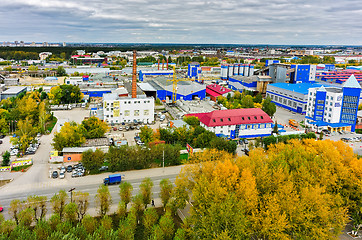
x=135, y=113
x=248, y=126
x=243, y=118
x=350, y=99
x=129, y=102
x=349, y=110
x=126, y=121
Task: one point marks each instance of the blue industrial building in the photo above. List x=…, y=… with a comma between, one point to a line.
x=293, y=97
x=96, y=92
x=144, y=73
x=334, y=108
x=186, y=90
x=303, y=73
x=268, y=62
x=193, y=70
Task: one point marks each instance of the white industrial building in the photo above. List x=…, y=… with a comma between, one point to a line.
x=127, y=110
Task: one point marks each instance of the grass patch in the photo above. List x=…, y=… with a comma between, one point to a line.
x=51, y=124
x=184, y=156
x=21, y=168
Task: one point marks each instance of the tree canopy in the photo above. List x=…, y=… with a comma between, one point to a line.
x=300, y=190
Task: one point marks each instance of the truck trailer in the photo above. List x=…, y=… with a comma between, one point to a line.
x=113, y=179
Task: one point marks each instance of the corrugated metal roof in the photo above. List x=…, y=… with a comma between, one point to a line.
x=233, y=117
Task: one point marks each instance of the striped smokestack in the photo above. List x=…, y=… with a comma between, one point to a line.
x=134, y=75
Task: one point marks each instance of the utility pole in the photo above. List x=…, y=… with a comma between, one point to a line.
x=163, y=159
x=71, y=194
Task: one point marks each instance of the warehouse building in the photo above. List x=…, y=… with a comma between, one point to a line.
x=186, y=90
x=13, y=92
x=293, y=97
x=144, y=74
x=334, y=108
x=236, y=123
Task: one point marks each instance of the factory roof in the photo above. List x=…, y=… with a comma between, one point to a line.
x=145, y=86
x=219, y=90
x=183, y=87
x=14, y=90
x=298, y=87
x=233, y=117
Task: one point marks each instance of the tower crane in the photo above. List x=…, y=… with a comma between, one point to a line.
x=174, y=81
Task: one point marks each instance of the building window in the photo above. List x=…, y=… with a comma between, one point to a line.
x=146, y=112
x=126, y=113
x=221, y=120
x=261, y=117
x=229, y=119
x=320, y=101
x=136, y=112
x=213, y=120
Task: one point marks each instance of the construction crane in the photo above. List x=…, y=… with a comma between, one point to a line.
x=174, y=81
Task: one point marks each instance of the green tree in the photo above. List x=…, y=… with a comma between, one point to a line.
x=275, y=128
x=157, y=233
x=61, y=71
x=26, y=217
x=93, y=160
x=146, y=134
x=42, y=230
x=146, y=191
x=166, y=190
x=247, y=102
x=258, y=98
x=69, y=136
x=122, y=210
x=58, y=202
x=269, y=107
x=6, y=159
x=4, y=126
x=149, y=219
x=192, y=121
x=137, y=205
x=93, y=127
x=125, y=192
x=53, y=221
x=38, y=204
x=71, y=212
x=103, y=200
x=167, y=225
x=15, y=208
x=89, y=223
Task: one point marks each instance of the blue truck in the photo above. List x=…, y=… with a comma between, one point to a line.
x=113, y=179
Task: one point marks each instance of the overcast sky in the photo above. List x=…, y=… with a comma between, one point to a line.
x=183, y=21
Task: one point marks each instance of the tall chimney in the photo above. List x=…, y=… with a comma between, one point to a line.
x=167, y=64
x=134, y=75
x=158, y=65
x=163, y=63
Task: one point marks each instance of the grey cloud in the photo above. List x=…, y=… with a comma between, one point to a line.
x=189, y=21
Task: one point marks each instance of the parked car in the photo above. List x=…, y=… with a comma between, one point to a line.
x=1, y=209
x=62, y=169
x=55, y=174
x=74, y=173
x=1, y=141
x=120, y=128
x=127, y=128
x=103, y=168
x=69, y=168
x=61, y=175
x=2, y=136
x=115, y=129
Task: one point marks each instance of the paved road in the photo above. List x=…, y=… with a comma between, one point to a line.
x=86, y=184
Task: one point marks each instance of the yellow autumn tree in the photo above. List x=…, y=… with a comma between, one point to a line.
x=300, y=190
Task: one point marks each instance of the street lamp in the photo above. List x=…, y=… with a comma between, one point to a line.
x=71, y=194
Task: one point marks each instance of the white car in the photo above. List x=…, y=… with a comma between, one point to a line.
x=14, y=152
x=61, y=175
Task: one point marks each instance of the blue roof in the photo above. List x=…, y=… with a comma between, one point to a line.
x=297, y=87
x=334, y=125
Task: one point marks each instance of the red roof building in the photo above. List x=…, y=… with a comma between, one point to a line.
x=236, y=123
x=215, y=90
